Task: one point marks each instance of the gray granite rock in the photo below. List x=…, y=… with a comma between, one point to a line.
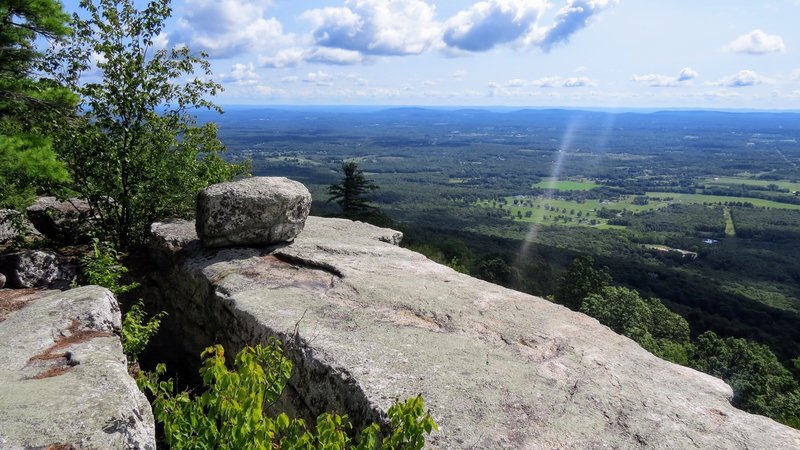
x=12, y=225
x=36, y=269
x=66, y=221
x=366, y=322
x=253, y=211
x=2, y=281
x=63, y=374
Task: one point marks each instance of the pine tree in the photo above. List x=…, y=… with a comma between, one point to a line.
x=32, y=104
x=351, y=192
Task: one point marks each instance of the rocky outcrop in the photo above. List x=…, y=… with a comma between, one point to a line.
x=37, y=269
x=253, y=211
x=366, y=322
x=13, y=226
x=63, y=374
x=62, y=221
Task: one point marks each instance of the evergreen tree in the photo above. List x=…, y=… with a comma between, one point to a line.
x=351, y=192
x=32, y=105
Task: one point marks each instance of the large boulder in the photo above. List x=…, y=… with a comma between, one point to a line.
x=37, y=269
x=14, y=226
x=64, y=377
x=253, y=211
x=66, y=221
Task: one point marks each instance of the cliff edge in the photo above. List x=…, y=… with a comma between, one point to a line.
x=366, y=322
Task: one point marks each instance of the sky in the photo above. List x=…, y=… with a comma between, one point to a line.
x=716, y=54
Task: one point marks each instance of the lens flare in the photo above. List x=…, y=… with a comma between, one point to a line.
x=566, y=141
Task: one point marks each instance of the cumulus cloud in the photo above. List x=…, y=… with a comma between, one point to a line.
x=226, y=28
x=576, y=15
x=757, y=42
x=335, y=56
x=573, y=82
x=743, y=78
x=376, y=27
x=656, y=80
x=487, y=24
x=241, y=74
x=289, y=57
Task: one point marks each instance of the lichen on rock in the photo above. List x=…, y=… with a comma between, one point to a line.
x=253, y=211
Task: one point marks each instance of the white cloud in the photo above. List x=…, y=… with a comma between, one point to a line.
x=795, y=74
x=547, y=82
x=576, y=15
x=376, y=27
x=489, y=23
x=289, y=57
x=578, y=82
x=656, y=80
x=516, y=82
x=743, y=78
x=319, y=78
x=290, y=79
x=458, y=75
x=226, y=28
x=757, y=42
x=241, y=74
x=335, y=56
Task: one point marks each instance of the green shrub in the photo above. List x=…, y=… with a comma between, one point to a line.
x=136, y=333
x=103, y=268
x=229, y=413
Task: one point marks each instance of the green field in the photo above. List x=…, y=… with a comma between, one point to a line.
x=549, y=211
x=702, y=198
x=549, y=183
x=576, y=213
x=784, y=185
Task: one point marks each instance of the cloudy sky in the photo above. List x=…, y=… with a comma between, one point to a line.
x=575, y=53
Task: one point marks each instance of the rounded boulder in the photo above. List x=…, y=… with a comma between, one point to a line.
x=253, y=211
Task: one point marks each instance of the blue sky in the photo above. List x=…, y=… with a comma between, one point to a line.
x=720, y=54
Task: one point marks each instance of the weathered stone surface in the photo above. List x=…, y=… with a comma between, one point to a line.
x=2, y=281
x=366, y=322
x=253, y=211
x=37, y=268
x=63, y=374
x=8, y=230
x=62, y=221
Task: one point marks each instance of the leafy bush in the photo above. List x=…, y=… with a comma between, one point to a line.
x=103, y=268
x=229, y=414
x=136, y=333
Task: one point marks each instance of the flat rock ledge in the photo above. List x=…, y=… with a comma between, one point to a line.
x=63, y=377
x=366, y=322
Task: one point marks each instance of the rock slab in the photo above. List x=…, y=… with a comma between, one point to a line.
x=66, y=221
x=253, y=211
x=37, y=269
x=64, y=376
x=366, y=322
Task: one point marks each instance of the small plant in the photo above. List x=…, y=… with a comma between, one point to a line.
x=229, y=414
x=136, y=332
x=103, y=268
